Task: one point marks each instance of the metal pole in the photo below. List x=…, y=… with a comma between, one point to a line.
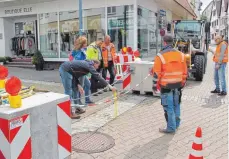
x=157, y=23
x=80, y=17
x=125, y=23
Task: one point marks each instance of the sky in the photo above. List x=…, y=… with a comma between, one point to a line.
x=205, y=3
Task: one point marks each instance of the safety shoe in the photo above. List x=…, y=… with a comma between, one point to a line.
x=75, y=116
x=165, y=131
x=215, y=91
x=80, y=111
x=222, y=93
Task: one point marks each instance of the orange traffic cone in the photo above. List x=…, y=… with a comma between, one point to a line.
x=197, y=146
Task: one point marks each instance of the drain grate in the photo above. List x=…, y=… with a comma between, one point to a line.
x=91, y=142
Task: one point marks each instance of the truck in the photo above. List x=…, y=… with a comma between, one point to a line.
x=192, y=37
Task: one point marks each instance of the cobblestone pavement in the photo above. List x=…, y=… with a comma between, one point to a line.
x=136, y=131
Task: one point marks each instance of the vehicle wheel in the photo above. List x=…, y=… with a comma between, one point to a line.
x=199, y=63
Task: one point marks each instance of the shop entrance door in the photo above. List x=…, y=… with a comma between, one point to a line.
x=22, y=35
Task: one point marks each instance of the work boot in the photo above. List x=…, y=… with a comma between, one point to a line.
x=215, y=91
x=222, y=93
x=75, y=116
x=80, y=111
x=165, y=131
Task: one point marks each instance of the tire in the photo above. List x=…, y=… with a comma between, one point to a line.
x=199, y=63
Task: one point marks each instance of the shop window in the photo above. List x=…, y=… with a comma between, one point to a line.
x=49, y=45
x=121, y=27
x=94, y=23
x=147, y=32
x=69, y=31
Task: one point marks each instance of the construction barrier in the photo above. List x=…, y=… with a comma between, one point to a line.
x=121, y=68
x=36, y=128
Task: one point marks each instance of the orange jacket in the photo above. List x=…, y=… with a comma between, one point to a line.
x=170, y=69
x=218, y=57
x=105, y=53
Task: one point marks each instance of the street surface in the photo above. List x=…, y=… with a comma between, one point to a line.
x=135, y=130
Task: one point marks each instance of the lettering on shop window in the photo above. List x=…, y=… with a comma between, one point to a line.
x=19, y=10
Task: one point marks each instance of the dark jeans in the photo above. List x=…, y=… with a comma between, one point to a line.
x=94, y=83
x=110, y=68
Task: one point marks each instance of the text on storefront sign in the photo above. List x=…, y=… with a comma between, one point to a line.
x=19, y=10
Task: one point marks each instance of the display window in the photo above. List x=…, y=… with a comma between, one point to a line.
x=121, y=26
x=69, y=31
x=94, y=23
x=48, y=33
x=146, y=31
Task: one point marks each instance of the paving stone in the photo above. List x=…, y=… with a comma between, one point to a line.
x=136, y=130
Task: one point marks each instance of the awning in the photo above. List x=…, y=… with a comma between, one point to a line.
x=186, y=5
x=180, y=8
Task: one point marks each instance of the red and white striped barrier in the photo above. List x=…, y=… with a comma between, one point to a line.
x=64, y=129
x=15, y=138
x=45, y=123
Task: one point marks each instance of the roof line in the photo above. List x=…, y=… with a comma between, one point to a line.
x=208, y=5
x=194, y=14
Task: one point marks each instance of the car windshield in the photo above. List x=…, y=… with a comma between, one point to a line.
x=188, y=29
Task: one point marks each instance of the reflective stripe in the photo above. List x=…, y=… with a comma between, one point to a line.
x=182, y=57
x=197, y=140
x=173, y=73
x=161, y=57
x=197, y=153
x=172, y=80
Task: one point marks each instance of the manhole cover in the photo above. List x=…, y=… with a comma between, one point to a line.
x=91, y=142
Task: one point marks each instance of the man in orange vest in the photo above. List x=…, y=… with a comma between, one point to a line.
x=220, y=58
x=108, y=53
x=170, y=73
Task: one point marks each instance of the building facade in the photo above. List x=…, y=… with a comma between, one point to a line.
x=51, y=26
x=207, y=12
x=219, y=19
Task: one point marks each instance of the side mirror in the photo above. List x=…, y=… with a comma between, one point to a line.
x=207, y=27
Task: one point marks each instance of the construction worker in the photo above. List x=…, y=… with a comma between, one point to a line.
x=170, y=73
x=108, y=51
x=70, y=70
x=94, y=53
x=220, y=58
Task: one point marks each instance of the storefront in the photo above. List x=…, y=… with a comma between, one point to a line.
x=52, y=27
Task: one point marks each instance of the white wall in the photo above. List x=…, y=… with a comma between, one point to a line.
x=2, y=41
x=9, y=33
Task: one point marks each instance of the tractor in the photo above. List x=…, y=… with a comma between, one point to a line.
x=192, y=38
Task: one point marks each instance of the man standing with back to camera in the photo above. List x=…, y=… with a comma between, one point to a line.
x=170, y=73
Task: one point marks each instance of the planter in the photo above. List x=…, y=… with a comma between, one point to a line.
x=39, y=67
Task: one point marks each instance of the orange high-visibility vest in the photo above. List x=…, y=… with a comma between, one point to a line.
x=171, y=69
x=105, y=53
x=218, y=51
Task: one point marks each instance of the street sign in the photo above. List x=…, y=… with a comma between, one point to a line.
x=162, y=32
x=162, y=12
